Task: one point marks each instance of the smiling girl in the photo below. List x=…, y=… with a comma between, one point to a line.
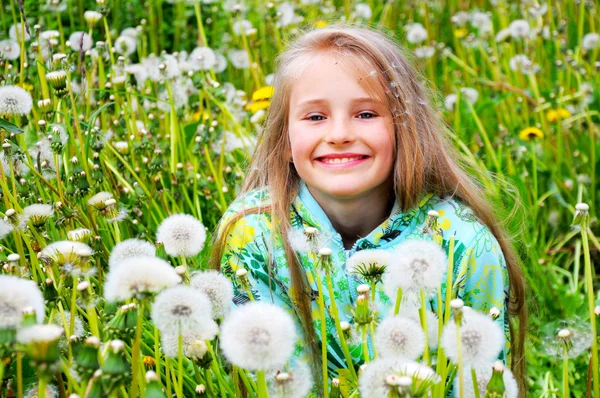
x=353, y=148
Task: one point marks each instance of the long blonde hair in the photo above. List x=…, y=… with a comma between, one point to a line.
x=426, y=161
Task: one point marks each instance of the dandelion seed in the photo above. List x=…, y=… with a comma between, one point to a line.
x=10, y=49
x=5, y=229
x=66, y=253
x=484, y=374
x=125, y=45
x=186, y=309
x=79, y=235
x=239, y=59
x=519, y=29
x=294, y=383
x=481, y=338
x=419, y=265
x=138, y=276
x=373, y=381
x=415, y=33
x=182, y=235
x=15, y=101
x=218, y=289
x=258, y=336
x=16, y=295
x=38, y=214
x=130, y=248
x=308, y=240
x=575, y=330
x=81, y=40
x=590, y=41
x=399, y=337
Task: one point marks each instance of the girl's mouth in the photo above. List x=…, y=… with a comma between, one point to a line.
x=338, y=162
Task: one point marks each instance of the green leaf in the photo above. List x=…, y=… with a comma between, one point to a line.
x=8, y=126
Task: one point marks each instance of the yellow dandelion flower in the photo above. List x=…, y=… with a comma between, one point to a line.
x=531, y=133
x=25, y=86
x=263, y=93
x=258, y=105
x=149, y=361
x=320, y=24
x=555, y=115
x=460, y=33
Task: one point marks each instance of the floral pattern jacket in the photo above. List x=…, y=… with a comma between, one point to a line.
x=480, y=277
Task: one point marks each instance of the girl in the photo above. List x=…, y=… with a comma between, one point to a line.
x=353, y=148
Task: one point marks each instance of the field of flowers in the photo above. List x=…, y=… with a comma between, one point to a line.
x=126, y=127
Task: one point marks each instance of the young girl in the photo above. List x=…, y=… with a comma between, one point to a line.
x=353, y=148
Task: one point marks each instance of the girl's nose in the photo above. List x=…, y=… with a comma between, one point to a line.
x=340, y=131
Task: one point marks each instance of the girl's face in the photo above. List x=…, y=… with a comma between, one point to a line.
x=342, y=141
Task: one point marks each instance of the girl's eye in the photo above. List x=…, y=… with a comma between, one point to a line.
x=314, y=120
x=369, y=114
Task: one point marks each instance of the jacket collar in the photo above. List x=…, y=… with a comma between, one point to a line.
x=313, y=214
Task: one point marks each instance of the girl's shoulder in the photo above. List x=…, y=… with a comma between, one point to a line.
x=248, y=207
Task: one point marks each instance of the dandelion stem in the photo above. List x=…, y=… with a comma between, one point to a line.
x=179, y=364
x=135, y=350
x=168, y=377
x=223, y=386
x=42, y=387
x=449, y=272
x=475, y=385
x=398, y=301
x=461, y=378
x=423, y=316
x=590, y=293
x=365, y=346
x=262, y=384
x=321, y=302
x=565, y=371
x=19, y=374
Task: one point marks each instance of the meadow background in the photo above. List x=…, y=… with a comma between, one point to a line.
x=159, y=103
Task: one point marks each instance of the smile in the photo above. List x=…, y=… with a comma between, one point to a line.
x=341, y=162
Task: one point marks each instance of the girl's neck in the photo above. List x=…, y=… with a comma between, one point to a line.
x=357, y=218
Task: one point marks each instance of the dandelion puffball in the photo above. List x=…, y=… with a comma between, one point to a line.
x=15, y=101
x=295, y=382
x=66, y=252
x=183, y=309
x=139, y=275
x=258, y=336
x=218, y=289
x=182, y=235
x=80, y=41
x=484, y=374
x=130, y=248
x=17, y=294
x=397, y=336
x=481, y=339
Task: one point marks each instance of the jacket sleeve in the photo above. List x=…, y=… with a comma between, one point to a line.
x=481, y=280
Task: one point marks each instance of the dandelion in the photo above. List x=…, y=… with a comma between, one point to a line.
x=5, y=229
x=460, y=18
x=58, y=81
x=555, y=115
x=17, y=32
x=375, y=381
x=287, y=15
x=294, y=383
x=243, y=26
x=419, y=266
x=130, y=248
x=99, y=200
x=415, y=33
x=519, y=29
x=78, y=329
x=10, y=49
x=576, y=334
x=522, y=63
x=15, y=101
x=369, y=264
x=363, y=11
x=138, y=276
x=239, y=59
x=67, y=253
x=194, y=347
x=481, y=339
x=308, y=240
x=125, y=45
x=424, y=52
x=202, y=58
x=258, y=336
x=399, y=337
x=16, y=295
x=42, y=342
x=79, y=235
x=503, y=35
x=92, y=17
x=80, y=41
x=51, y=392
x=38, y=214
x=531, y=134
x=182, y=235
x=218, y=289
x=484, y=374
x=185, y=308
x=590, y=41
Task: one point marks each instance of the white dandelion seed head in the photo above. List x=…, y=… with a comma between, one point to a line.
x=432, y=322
x=579, y=336
x=17, y=32
x=137, y=275
x=287, y=14
x=363, y=11
x=79, y=234
x=81, y=40
x=470, y=94
x=65, y=251
x=460, y=18
x=239, y=59
x=39, y=334
x=373, y=381
x=193, y=346
x=258, y=336
x=418, y=265
x=484, y=374
x=519, y=29
x=220, y=63
x=38, y=210
x=399, y=337
x=521, y=63
x=299, y=241
x=242, y=26
x=182, y=235
x=415, y=33
x=481, y=338
x=5, y=229
x=183, y=308
x=382, y=258
x=590, y=41
x=424, y=51
x=503, y=35
x=15, y=101
x=481, y=21
x=296, y=382
x=202, y=58
x=17, y=294
x=51, y=392
x=233, y=142
x=139, y=73
x=10, y=49
x=125, y=45
x=218, y=289
x=92, y=17
x=450, y=101
x=130, y=248
x=131, y=32
x=99, y=198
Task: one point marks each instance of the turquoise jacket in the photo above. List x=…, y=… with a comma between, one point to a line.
x=479, y=278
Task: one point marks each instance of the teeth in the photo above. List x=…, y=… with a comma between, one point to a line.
x=342, y=160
